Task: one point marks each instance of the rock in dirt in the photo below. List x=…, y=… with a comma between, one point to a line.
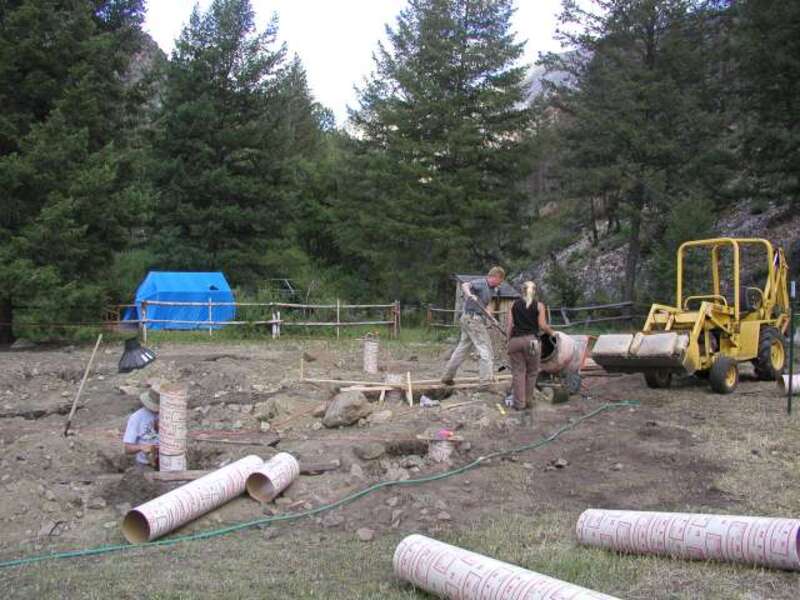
x=369, y=451
x=96, y=503
x=50, y=528
x=332, y=520
x=393, y=501
x=320, y=410
x=617, y=467
x=560, y=463
x=357, y=471
x=23, y=344
x=347, y=408
x=444, y=516
x=412, y=461
x=269, y=409
x=308, y=357
x=395, y=473
x=382, y=416
x=396, y=516
x=365, y=534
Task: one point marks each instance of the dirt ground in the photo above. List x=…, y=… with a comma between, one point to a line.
x=680, y=449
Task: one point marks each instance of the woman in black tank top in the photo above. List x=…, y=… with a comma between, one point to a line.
x=526, y=320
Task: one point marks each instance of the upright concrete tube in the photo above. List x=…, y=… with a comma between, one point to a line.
x=161, y=515
x=273, y=477
x=451, y=572
x=172, y=427
x=760, y=541
x=783, y=384
x=371, y=349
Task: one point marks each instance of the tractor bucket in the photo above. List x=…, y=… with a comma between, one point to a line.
x=628, y=353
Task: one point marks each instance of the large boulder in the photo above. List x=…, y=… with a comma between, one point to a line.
x=346, y=408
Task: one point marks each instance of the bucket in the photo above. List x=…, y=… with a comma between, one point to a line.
x=370, y=356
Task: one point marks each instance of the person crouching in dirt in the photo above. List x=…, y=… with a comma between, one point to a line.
x=474, y=334
x=526, y=320
x=141, y=433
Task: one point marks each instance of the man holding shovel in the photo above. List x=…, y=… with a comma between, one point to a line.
x=474, y=334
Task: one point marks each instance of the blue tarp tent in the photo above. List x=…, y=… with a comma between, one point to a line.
x=182, y=287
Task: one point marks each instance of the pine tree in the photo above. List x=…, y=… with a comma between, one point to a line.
x=236, y=122
x=435, y=183
x=640, y=100
x=768, y=88
x=63, y=168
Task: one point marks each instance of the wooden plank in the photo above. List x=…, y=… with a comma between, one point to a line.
x=271, y=440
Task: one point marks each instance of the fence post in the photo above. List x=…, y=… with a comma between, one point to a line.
x=143, y=324
x=209, y=315
x=338, y=308
x=279, y=323
x=396, y=318
x=429, y=318
x=274, y=327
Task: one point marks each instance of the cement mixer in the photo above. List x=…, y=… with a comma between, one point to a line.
x=562, y=359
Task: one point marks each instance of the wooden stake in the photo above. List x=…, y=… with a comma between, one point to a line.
x=382, y=397
x=338, y=306
x=410, y=390
x=83, y=382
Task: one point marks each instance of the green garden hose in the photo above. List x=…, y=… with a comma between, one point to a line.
x=203, y=535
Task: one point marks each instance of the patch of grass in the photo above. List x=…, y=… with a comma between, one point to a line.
x=311, y=563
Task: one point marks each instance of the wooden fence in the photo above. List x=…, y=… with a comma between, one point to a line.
x=270, y=316
x=562, y=317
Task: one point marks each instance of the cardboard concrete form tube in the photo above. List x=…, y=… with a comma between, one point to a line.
x=760, y=541
x=172, y=427
x=451, y=572
x=161, y=515
x=274, y=476
x=783, y=384
x=371, y=356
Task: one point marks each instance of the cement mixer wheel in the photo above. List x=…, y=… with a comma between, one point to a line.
x=771, y=360
x=724, y=375
x=658, y=378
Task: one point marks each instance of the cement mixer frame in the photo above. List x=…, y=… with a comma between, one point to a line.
x=703, y=334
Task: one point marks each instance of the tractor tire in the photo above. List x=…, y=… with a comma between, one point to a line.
x=658, y=378
x=771, y=360
x=724, y=375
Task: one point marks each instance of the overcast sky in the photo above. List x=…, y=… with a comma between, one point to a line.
x=335, y=38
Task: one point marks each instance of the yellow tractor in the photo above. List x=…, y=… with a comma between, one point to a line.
x=709, y=335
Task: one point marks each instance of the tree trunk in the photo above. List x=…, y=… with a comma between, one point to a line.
x=634, y=252
x=6, y=320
